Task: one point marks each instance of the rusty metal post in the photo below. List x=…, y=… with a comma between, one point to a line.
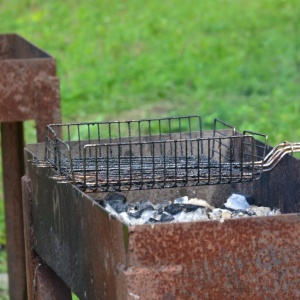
x=29, y=90
x=12, y=142
x=47, y=99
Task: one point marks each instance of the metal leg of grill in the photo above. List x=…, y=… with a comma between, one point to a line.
x=29, y=90
x=42, y=282
x=13, y=169
x=12, y=143
x=48, y=285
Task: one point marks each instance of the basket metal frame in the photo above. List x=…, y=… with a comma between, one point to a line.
x=154, y=153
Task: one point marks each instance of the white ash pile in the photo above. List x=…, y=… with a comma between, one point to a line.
x=182, y=209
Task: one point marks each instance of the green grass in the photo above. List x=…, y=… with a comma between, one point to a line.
x=231, y=59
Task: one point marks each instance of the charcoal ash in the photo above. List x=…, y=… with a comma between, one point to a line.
x=144, y=217
x=182, y=209
x=260, y=211
x=148, y=210
x=200, y=202
x=119, y=207
x=237, y=202
x=220, y=214
x=199, y=214
x=145, y=204
x=239, y=206
x=160, y=207
x=166, y=217
x=181, y=200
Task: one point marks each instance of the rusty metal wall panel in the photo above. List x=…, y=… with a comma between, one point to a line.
x=237, y=259
x=42, y=282
x=75, y=237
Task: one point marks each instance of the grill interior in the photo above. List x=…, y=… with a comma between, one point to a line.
x=154, y=153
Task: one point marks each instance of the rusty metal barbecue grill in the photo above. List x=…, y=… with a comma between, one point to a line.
x=98, y=256
x=128, y=155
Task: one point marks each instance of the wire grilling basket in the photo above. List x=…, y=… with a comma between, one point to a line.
x=158, y=153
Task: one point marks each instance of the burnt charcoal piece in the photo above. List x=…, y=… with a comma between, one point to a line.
x=153, y=221
x=174, y=209
x=159, y=209
x=119, y=206
x=166, y=217
x=161, y=206
x=249, y=213
x=145, y=204
x=131, y=207
x=191, y=207
x=135, y=215
x=139, y=213
x=116, y=201
x=114, y=196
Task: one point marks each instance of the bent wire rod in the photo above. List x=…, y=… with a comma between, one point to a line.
x=277, y=153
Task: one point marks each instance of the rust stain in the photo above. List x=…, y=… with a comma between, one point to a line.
x=18, y=70
x=237, y=259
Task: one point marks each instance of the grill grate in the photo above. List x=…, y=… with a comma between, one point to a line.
x=153, y=153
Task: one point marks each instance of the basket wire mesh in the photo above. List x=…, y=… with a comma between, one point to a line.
x=153, y=153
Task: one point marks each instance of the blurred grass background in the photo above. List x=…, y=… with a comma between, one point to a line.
x=232, y=59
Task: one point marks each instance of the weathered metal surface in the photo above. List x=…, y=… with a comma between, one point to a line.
x=20, y=64
x=13, y=169
x=74, y=261
x=47, y=103
x=100, y=258
x=237, y=259
x=42, y=282
x=29, y=90
x=31, y=260
x=49, y=286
